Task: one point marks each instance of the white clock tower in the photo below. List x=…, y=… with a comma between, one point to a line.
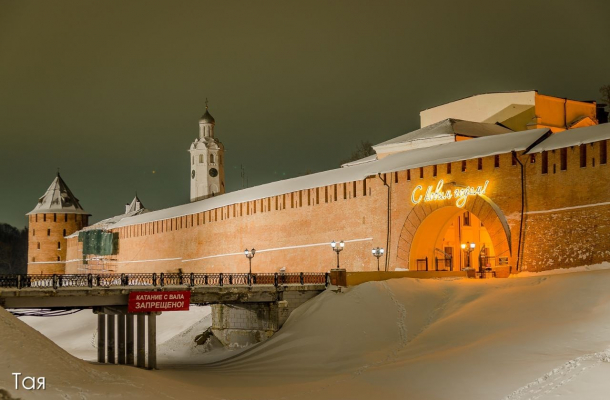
x=207, y=161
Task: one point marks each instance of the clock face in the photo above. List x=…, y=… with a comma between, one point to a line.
x=213, y=172
x=193, y=174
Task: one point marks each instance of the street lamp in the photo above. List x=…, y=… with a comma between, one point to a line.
x=468, y=248
x=378, y=252
x=337, y=247
x=250, y=255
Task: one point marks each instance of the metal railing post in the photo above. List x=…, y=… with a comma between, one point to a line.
x=230, y=279
x=192, y=279
x=302, y=279
x=180, y=278
x=275, y=279
x=220, y=279
x=154, y=279
x=90, y=280
x=162, y=279
x=122, y=279
x=205, y=279
x=54, y=281
x=18, y=281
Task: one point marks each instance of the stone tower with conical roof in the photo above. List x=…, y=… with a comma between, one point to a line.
x=207, y=161
x=57, y=215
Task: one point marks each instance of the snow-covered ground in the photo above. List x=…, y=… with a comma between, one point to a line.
x=538, y=337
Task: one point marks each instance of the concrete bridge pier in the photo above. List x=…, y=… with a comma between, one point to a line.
x=243, y=324
x=152, y=340
x=110, y=338
x=116, y=334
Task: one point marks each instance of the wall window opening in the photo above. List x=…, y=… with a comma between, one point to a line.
x=545, y=162
x=467, y=218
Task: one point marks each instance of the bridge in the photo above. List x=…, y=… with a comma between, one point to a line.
x=245, y=307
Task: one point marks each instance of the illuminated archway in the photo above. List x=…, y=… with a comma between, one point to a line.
x=428, y=220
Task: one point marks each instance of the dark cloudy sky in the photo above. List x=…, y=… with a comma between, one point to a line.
x=110, y=91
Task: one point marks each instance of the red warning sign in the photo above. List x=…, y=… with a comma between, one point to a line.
x=158, y=301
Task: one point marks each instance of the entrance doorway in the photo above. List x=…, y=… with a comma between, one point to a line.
x=451, y=239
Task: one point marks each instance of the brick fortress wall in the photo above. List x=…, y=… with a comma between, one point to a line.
x=294, y=230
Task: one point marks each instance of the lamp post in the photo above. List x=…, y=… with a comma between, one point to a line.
x=337, y=247
x=468, y=248
x=378, y=252
x=250, y=254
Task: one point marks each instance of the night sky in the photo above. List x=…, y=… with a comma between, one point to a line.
x=111, y=91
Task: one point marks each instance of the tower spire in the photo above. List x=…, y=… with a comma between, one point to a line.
x=206, y=103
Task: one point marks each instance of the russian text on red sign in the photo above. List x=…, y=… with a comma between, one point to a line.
x=158, y=301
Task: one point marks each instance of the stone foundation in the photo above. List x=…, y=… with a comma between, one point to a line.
x=238, y=325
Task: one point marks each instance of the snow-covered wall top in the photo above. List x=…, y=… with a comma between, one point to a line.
x=443, y=153
x=573, y=137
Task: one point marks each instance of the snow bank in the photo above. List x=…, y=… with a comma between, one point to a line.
x=558, y=271
x=539, y=337
x=24, y=350
x=431, y=339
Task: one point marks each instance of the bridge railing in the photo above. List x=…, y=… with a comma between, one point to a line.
x=57, y=281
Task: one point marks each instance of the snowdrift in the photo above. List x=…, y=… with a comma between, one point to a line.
x=538, y=337
x=23, y=349
x=534, y=337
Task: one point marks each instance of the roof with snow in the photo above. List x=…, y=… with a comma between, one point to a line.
x=58, y=199
x=135, y=206
x=439, y=154
x=484, y=94
x=448, y=127
x=131, y=209
x=573, y=137
x=440, y=132
x=360, y=161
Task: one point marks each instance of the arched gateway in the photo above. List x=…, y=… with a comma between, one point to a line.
x=428, y=222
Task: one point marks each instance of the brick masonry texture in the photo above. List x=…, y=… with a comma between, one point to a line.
x=294, y=230
x=47, y=246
